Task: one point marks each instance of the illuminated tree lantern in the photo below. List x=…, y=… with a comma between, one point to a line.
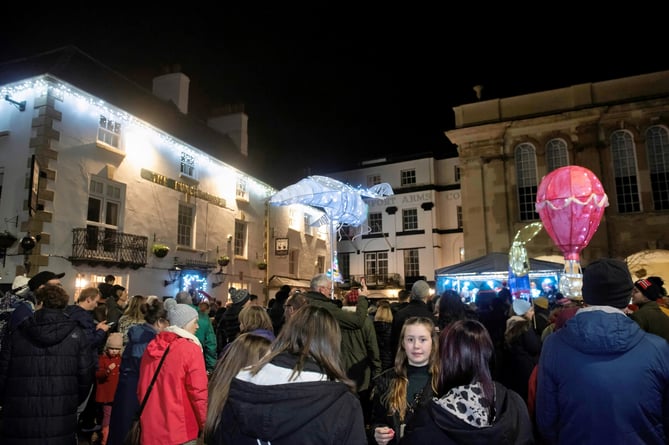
x=571, y=202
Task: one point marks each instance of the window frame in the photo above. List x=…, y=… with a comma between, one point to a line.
x=625, y=172
x=657, y=148
x=186, y=224
x=407, y=177
x=410, y=219
x=525, y=156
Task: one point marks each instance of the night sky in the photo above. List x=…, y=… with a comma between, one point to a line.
x=326, y=86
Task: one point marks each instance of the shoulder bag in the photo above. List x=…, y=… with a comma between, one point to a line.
x=134, y=435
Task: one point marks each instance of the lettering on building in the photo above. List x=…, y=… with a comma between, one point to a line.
x=181, y=187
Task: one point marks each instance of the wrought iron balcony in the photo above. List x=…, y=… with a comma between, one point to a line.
x=375, y=281
x=98, y=245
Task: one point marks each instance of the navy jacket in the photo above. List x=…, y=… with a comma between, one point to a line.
x=603, y=380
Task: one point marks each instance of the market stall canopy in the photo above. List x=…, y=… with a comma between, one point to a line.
x=495, y=263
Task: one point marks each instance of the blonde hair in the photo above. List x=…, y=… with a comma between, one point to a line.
x=396, y=397
x=254, y=317
x=383, y=312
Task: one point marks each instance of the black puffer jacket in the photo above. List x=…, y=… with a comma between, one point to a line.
x=46, y=371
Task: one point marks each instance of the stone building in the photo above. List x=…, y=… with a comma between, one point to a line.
x=619, y=129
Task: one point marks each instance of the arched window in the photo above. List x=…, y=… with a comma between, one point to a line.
x=526, y=172
x=625, y=172
x=657, y=143
x=556, y=154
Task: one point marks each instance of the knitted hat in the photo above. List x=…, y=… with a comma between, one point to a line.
x=114, y=340
x=179, y=314
x=607, y=282
x=520, y=307
x=648, y=289
x=43, y=278
x=420, y=290
x=240, y=296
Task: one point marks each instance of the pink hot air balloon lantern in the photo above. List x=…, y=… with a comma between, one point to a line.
x=571, y=202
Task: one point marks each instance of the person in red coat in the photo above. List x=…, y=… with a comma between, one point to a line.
x=176, y=408
x=107, y=377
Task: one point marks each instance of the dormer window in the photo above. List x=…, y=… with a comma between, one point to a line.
x=187, y=165
x=109, y=132
x=242, y=192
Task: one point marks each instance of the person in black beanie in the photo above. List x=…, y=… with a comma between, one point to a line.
x=601, y=378
x=649, y=315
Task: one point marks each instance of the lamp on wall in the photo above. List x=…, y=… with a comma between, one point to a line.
x=175, y=274
x=218, y=278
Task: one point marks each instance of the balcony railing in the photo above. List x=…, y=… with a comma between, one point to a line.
x=376, y=281
x=97, y=245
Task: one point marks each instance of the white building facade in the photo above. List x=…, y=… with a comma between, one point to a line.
x=99, y=185
x=411, y=233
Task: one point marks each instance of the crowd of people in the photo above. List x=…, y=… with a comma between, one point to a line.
x=311, y=368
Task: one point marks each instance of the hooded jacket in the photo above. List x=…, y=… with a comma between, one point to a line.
x=270, y=408
x=176, y=409
x=125, y=398
x=46, y=371
x=602, y=379
x=511, y=424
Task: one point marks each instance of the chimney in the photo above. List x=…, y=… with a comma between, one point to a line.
x=233, y=121
x=173, y=87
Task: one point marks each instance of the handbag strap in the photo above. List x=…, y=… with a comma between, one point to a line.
x=153, y=380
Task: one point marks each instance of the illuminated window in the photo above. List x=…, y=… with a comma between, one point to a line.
x=240, y=238
x=187, y=165
x=109, y=132
x=526, y=173
x=409, y=219
x=242, y=192
x=625, y=172
x=408, y=177
x=657, y=143
x=186, y=223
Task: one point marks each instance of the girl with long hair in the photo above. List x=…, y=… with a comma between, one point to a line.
x=409, y=385
x=245, y=350
x=297, y=393
x=472, y=408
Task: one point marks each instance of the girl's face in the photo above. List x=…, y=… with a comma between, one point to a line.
x=417, y=343
x=113, y=352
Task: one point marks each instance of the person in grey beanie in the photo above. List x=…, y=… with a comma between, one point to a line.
x=601, y=378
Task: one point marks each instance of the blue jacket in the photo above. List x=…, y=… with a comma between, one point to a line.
x=602, y=379
x=126, y=402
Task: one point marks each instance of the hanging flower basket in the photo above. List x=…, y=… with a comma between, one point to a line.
x=160, y=250
x=223, y=260
x=7, y=240
x=262, y=265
